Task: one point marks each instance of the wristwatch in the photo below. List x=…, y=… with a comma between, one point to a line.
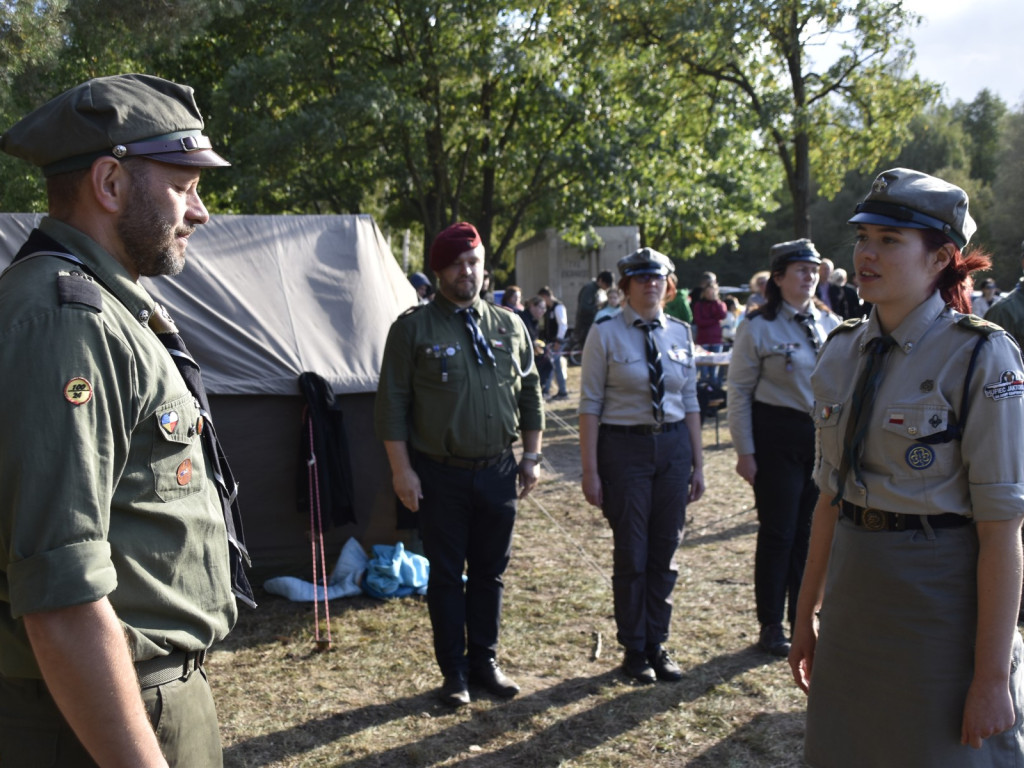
x=534, y=457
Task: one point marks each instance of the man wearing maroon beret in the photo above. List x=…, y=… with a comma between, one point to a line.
x=457, y=387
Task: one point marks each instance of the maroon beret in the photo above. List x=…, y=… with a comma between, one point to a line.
x=452, y=243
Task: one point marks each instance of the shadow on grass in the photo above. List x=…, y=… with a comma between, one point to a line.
x=704, y=536
x=617, y=709
x=774, y=739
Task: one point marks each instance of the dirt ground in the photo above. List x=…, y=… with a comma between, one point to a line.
x=370, y=700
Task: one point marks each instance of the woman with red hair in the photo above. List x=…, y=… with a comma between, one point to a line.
x=906, y=639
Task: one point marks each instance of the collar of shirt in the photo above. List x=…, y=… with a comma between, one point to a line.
x=103, y=266
x=791, y=312
x=450, y=308
x=630, y=316
x=913, y=327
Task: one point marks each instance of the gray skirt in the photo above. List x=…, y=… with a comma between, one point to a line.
x=895, y=655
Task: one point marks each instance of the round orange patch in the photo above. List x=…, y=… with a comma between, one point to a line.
x=184, y=473
x=78, y=391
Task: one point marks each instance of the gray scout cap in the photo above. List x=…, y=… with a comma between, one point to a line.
x=645, y=261
x=905, y=198
x=782, y=254
x=118, y=116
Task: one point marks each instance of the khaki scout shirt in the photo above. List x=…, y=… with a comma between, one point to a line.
x=771, y=363
x=104, y=486
x=615, y=383
x=979, y=476
x=433, y=394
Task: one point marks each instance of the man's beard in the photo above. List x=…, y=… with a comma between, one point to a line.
x=149, y=239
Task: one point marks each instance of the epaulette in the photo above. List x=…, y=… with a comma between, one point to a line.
x=604, y=319
x=677, y=320
x=847, y=325
x=78, y=288
x=976, y=324
x=413, y=308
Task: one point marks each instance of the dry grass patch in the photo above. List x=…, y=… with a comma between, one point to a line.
x=369, y=701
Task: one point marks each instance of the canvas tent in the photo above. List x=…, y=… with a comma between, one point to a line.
x=262, y=300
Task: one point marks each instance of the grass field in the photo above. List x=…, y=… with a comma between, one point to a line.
x=370, y=700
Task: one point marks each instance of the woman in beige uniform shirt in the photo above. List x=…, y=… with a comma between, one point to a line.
x=906, y=637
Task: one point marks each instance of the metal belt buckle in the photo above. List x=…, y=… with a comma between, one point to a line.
x=873, y=519
x=657, y=429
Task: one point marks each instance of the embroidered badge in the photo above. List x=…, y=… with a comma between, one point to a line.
x=1010, y=384
x=78, y=391
x=927, y=385
x=935, y=421
x=920, y=456
x=498, y=343
x=895, y=418
x=169, y=421
x=880, y=185
x=184, y=472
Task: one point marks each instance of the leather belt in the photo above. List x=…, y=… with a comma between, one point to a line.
x=644, y=429
x=165, y=669
x=872, y=519
x=474, y=464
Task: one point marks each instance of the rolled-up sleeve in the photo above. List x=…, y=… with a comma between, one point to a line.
x=993, y=438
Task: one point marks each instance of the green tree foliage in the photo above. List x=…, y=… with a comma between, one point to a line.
x=512, y=115
x=821, y=119
x=1008, y=200
x=981, y=121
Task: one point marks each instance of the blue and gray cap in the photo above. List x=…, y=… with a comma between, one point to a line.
x=119, y=116
x=785, y=253
x=645, y=261
x=904, y=198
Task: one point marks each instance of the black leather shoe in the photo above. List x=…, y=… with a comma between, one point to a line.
x=635, y=665
x=663, y=665
x=455, y=692
x=489, y=677
x=773, y=640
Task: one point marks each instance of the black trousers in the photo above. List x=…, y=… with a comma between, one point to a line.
x=785, y=494
x=466, y=519
x=645, y=481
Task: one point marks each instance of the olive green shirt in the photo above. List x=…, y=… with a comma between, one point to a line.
x=104, y=487
x=1008, y=313
x=434, y=395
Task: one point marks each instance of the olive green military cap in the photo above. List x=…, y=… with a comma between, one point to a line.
x=902, y=197
x=118, y=116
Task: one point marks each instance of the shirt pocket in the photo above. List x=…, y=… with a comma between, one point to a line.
x=678, y=364
x=177, y=462
x=915, y=440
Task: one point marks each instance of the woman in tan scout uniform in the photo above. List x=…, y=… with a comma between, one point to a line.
x=914, y=564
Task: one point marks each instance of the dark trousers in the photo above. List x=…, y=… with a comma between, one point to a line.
x=645, y=481
x=466, y=519
x=785, y=494
x=34, y=733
